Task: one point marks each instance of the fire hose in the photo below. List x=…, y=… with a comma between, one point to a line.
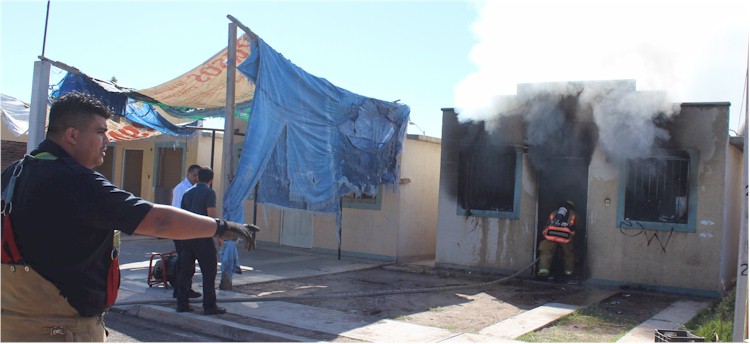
x=338, y=295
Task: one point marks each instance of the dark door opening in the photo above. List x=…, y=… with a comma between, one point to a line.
x=132, y=171
x=566, y=179
x=169, y=173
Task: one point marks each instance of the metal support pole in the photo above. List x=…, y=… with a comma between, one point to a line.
x=228, y=153
x=255, y=203
x=340, y=223
x=213, y=147
x=38, y=106
x=739, y=332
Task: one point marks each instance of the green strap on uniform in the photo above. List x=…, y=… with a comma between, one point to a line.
x=45, y=156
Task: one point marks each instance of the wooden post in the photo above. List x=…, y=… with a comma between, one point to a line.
x=227, y=162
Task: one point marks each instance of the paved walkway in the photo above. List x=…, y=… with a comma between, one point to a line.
x=671, y=318
x=272, y=264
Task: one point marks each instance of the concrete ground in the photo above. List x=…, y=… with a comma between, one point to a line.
x=273, y=320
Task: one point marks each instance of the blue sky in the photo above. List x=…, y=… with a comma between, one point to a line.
x=429, y=54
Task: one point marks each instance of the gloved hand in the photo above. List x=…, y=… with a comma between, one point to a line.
x=243, y=230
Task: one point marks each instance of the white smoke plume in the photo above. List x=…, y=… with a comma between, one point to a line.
x=687, y=51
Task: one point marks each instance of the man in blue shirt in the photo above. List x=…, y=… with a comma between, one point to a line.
x=199, y=199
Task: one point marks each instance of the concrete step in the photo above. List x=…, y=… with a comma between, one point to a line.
x=214, y=326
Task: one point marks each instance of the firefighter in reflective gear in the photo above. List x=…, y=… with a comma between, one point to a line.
x=559, y=231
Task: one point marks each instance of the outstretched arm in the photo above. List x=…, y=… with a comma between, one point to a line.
x=164, y=221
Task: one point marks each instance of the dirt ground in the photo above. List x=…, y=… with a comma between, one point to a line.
x=466, y=310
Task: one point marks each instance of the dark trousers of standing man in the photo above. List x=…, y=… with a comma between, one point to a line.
x=178, y=250
x=204, y=251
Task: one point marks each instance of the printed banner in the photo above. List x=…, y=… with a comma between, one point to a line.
x=125, y=130
x=205, y=85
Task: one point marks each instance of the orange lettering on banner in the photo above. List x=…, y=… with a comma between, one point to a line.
x=210, y=70
x=132, y=131
x=115, y=136
x=129, y=131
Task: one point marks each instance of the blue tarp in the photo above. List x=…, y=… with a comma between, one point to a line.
x=309, y=142
x=118, y=100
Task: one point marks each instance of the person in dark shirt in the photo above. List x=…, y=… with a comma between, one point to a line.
x=191, y=177
x=60, y=271
x=199, y=199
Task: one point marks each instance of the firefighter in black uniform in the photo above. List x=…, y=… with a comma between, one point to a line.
x=60, y=271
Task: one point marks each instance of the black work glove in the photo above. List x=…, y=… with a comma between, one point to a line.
x=245, y=231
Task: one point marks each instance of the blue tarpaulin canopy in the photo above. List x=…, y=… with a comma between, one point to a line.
x=309, y=142
x=118, y=101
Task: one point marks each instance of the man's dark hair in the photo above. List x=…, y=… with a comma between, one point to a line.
x=75, y=110
x=193, y=168
x=205, y=175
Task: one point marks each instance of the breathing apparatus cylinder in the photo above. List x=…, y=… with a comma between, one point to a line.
x=561, y=217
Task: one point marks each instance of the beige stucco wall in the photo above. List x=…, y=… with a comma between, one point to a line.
x=732, y=214
x=268, y=219
x=657, y=258
x=420, y=175
x=366, y=232
x=481, y=243
x=402, y=229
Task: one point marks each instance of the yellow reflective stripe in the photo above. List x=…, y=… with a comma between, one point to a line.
x=45, y=156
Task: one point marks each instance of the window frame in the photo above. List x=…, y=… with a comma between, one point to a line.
x=364, y=203
x=690, y=226
x=516, y=213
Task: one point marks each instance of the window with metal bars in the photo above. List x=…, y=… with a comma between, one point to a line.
x=656, y=192
x=488, y=182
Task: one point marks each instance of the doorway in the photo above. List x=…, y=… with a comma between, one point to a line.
x=169, y=173
x=132, y=171
x=568, y=180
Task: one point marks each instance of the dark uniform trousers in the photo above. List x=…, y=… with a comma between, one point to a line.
x=34, y=311
x=204, y=251
x=548, y=249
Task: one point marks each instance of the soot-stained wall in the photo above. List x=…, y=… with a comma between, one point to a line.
x=602, y=125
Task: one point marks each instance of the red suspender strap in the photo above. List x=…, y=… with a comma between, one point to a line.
x=11, y=254
x=10, y=249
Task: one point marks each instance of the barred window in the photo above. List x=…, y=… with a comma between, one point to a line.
x=488, y=182
x=657, y=191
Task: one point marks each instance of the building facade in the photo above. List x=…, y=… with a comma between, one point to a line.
x=657, y=186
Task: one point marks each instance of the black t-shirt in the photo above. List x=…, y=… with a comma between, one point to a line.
x=198, y=199
x=64, y=216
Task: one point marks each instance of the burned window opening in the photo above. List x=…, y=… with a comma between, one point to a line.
x=363, y=200
x=364, y=197
x=487, y=179
x=657, y=189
